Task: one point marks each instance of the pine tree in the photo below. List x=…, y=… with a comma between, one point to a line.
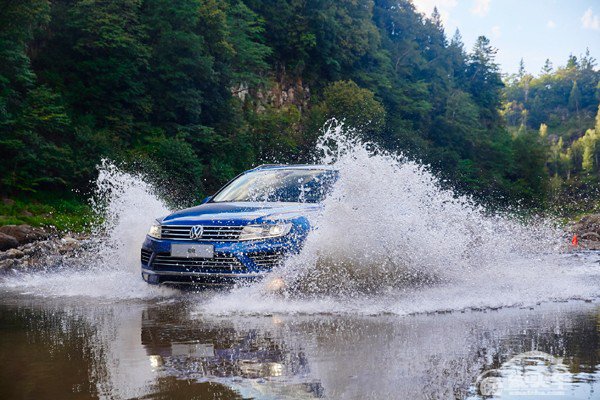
x=436, y=19
x=547, y=68
x=572, y=62
x=575, y=98
x=109, y=60
x=587, y=61
x=484, y=78
x=522, y=70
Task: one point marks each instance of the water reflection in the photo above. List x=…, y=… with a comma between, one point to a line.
x=533, y=373
x=60, y=349
x=252, y=359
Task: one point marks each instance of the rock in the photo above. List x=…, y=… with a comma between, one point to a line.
x=49, y=253
x=593, y=236
x=68, y=244
x=23, y=233
x=14, y=253
x=8, y=202
x=7, y=242
x=31, y=249
x=589, y=244
x=589, y=223
x=26, y=214
x=8, y=264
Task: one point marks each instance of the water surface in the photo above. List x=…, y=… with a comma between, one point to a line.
x=79, y=349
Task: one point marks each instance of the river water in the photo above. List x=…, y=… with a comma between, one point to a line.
x=404, y=290
x=163, y=349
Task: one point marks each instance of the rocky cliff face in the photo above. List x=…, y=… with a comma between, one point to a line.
x=279, y=93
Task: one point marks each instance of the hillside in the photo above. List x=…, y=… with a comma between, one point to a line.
x=195, y=91
x=561, y=105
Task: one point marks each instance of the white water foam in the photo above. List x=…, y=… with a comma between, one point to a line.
x=389, y=240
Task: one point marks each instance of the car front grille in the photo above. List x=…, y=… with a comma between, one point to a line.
x=220, y=261
x=146, y=256
x=215, y=233
x=266, y=260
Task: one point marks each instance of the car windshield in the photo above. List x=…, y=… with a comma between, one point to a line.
x=280, y=185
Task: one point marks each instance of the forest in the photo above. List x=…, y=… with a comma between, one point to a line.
x=195, y=91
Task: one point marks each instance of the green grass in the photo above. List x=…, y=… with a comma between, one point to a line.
x=65, y=214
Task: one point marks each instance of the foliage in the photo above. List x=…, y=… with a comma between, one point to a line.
x=562, y=103
x=195, y=91
x=357, y=107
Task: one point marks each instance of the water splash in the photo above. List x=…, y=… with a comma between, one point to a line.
x=109, y=265
x=388, y=222
x=389, y=240
x=129, y=205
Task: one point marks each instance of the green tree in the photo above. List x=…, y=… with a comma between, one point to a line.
x=485, y=82
x=575, y=98
x=591, y=148
x=110, y=57
x=250, y=53
x=357, y=107
x=547, y=68
x=572, y=62
x=522, y=70
x=37, y=145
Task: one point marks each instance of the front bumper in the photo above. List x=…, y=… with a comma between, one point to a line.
x=233, y=261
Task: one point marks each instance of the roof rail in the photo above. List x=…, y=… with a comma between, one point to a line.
x=269, y=165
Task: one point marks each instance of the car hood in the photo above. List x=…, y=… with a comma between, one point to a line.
x=235, y=213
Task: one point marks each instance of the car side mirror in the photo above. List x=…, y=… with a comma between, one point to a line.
x=206, y=200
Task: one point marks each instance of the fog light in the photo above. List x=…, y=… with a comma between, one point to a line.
x=153, y=279
x=275, y=285
x=156, y=361
x=145, y=276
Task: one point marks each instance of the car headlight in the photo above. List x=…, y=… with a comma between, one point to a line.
x=265, y=231
x=154, y=230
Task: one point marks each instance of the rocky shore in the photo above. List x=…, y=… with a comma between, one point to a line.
x=24, y=248
x=587, y=230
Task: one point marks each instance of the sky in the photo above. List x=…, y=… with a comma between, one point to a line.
x=530, y=29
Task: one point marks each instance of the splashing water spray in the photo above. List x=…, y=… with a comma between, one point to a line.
x=109, y=266
x=388, y=223
x=389, y=239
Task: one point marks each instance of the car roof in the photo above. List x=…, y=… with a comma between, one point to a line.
x=294, y=166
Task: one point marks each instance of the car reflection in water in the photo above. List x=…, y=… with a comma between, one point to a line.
x=248, y=361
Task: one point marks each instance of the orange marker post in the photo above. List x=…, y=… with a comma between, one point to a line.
x=575, y=241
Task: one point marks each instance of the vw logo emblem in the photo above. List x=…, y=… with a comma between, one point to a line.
x=196, y=232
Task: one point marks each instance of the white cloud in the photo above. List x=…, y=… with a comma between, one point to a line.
x=426, y=6
x=496, y=33
x=551, y=24
x=443, y=6
x=481, y=8
x=590, y=21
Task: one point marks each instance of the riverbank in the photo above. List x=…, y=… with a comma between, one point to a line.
x=27, y=248
x=586, y=231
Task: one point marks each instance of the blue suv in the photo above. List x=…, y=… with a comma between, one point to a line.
x=242, y=232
